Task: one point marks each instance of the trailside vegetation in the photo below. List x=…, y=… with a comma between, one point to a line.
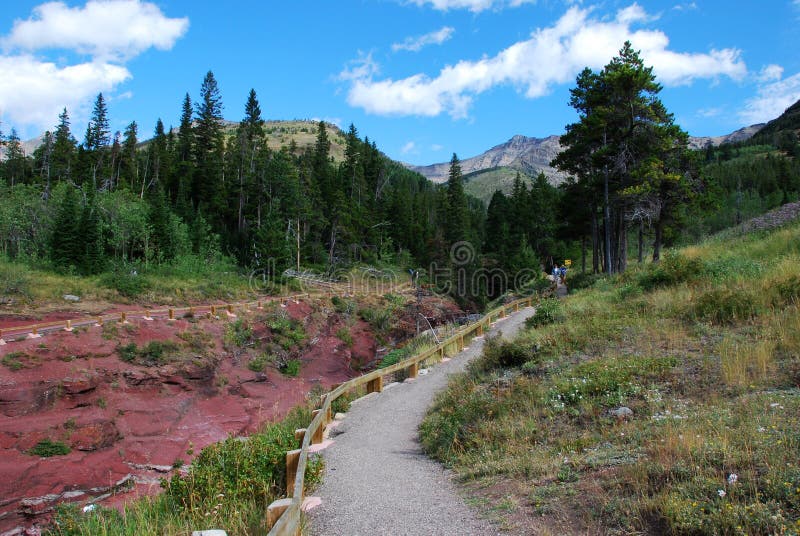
x=659, y=401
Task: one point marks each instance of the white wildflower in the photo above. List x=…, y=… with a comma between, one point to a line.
x=721, y=492
x=732, y=478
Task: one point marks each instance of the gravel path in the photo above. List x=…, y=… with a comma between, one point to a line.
x=377, y=479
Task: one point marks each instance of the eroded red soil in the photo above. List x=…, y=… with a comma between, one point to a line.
x=128, y=424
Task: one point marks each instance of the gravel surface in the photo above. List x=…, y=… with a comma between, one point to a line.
x=377, y=479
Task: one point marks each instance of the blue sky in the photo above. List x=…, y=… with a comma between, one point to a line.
x=423, y=78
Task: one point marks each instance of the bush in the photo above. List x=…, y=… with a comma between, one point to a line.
x=582, y=280
x=343, y=306
x=237, y=470
x=787, y=290
x=345, y=336
x=126, y=283
x=724, y=305
x=498, y=353
x=292, y=367
x=258, y=364
x=46, y=448
x=237, y=333
x=395, y=356
x=548, y=311
x=674, y=268
x=153, y=354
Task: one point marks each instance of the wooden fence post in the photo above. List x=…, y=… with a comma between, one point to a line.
x=171, y=314
x=292, y=459
x=276, y=509
x=413, y=370
x=375, y=386
x=317, y=437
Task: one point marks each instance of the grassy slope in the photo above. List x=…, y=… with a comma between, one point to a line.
x=483, y=184
x=704, y=348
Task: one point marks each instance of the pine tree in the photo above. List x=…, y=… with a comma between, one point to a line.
x=457, y=216
x=128, y=163
x=16, y=165
x=66, y=245
x=91, y=259
x=159, y=218
x=64, y=145
x=209, y=152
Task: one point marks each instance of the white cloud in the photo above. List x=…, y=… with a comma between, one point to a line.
x=415, y=44
x=771, y=73
x=771, y=100
x=103, y=29
x=552, y=55
x=409, y=147
x=476, y=6
x=436, y=147
x=33, y=92
x=34, y=89
x=689, y=6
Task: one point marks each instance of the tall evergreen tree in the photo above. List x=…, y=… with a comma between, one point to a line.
x=64, y=145
x=209, y=149
x=457, y=226
x=66, y=245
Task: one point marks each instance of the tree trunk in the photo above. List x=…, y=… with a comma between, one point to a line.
x=622, y=259
x=606, y=223
x=641, y=242
x=583, y=254
x=657, y=240
x=595, y=243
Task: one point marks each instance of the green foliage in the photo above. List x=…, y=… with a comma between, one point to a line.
x=47, y=448
x=126, y=281
x=259, y=363
x=292, y=367
x=15, y=361
x=286, y=332
x=609, y=381
x=154, y=353
x=725, y=305
x=344, y=335
x=343, y=305
x=238, y=334
x=498, y=354
x=548, y=311
x=393, y=357
x=673, y=269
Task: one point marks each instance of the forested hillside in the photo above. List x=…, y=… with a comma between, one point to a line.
x=207, y=190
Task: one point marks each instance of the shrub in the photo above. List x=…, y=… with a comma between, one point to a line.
x=153, y=354
x=47, y=448
x=258, y=364
x=238, y=333
x=674, y=268
x=126, y=283
x=395, y=356
x=787, y=290
x=498, y=353
x=342, y=305
x=547, y=312
x=582, y=280
x=345, y=336
x=724, y=305
x=291, y=367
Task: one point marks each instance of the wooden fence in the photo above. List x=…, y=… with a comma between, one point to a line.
x=283, y=515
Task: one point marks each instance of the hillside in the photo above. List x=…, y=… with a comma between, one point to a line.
x=496, y=168
x=660, y=401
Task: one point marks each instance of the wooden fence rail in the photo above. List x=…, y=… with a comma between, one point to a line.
x=283, y=515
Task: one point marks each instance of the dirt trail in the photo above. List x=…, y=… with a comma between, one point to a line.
x=378, y=481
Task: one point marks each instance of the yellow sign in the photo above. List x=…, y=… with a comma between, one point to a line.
x=568, y=262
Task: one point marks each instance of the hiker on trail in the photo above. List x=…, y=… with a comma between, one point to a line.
x=556, y=274
x=563, y=274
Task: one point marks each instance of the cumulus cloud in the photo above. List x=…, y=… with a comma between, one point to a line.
x=771, y=100
x=34, y=89
x=476, y=6
x=552, y=55
x=415, y=44
x=103, y=29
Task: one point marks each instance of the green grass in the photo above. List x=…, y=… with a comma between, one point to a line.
x=47, y=448
x=228, y=486
x=704, y=348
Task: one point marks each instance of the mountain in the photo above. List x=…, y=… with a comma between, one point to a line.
x=742, y=134
x=496, y=168
x=788, y=121
x=521, y=153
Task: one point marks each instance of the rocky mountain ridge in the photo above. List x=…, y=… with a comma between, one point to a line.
x=530, y=155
